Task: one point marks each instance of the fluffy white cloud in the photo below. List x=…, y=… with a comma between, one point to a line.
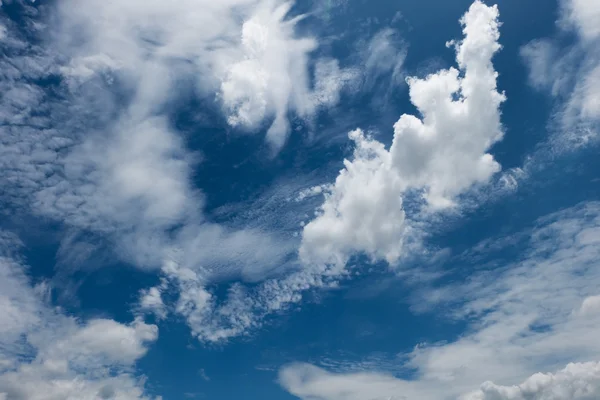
x=45, y=354
x=362, y=211
x=522, y=318
x=578, y=381
x=442, y=155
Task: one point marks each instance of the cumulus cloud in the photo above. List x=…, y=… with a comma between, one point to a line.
x=363, y=211
x=522, y=318
x=443, y=154
x=577, y=381
x=45, y=354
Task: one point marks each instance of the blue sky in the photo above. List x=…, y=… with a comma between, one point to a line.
x=316, y=200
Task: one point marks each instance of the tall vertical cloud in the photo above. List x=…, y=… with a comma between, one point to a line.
x=442, y=155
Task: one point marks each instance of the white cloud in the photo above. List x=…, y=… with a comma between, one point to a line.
x=309, y=382
x=363, y=209
x=522, y=318
x=384, y=54
x=246, y=52
x=584, y=15
x=45, y=354
x=330, y=81
x=590, y=306
x=272, y=75
x=151, y=302
x=571, y=74
x=443, y=155
x=100, y=153
x=540, y=55
x=577, y=381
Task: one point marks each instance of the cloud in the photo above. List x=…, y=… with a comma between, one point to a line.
x=442, y=155
x=384, y=54
x=577, y=381
x=272, y=75
x=452, y=138
x=309, y=382
x=245, y=52
x=362, y=212
x=584, y=15
x=590, y=306
x=45, y=354
x=97, y=150
x=521, y=318
x=570, y=74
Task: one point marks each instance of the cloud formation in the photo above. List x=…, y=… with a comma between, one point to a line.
x=259, y=69
x=522, y=318
x=97, y=150
x=570, y=73
x=441, y=155
x=45, y=354
x=577, y=381
x=363, y=210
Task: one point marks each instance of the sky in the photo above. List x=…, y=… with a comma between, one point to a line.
x=310, y=199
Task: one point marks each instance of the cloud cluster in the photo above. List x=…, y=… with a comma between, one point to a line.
x=522, y=318
x=45, y=354
x=442, y=155
x=245, y=52
x=96, y=150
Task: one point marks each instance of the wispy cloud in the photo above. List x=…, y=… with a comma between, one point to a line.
x=571, y=74
x=523, y=318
